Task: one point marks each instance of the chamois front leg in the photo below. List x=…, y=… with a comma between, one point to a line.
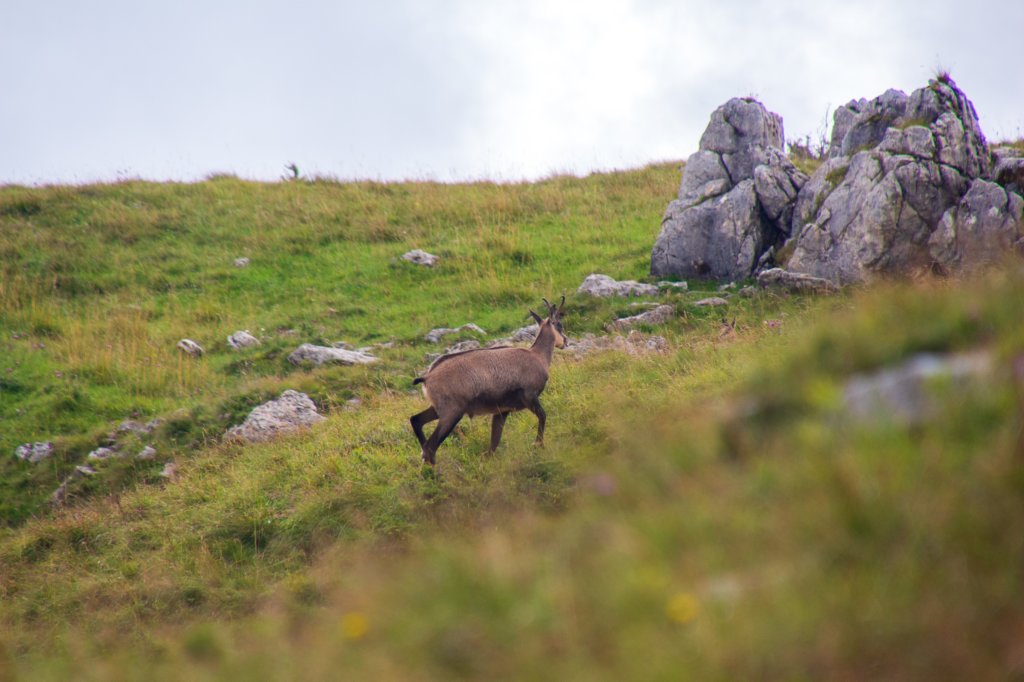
x=497, y=424
x=538, y=410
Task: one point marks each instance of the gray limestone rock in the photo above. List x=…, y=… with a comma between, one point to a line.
x=659, y=315
x=906, y=393
x=735, y=200
x=320, y=355
x=777, y=278
x=242, y=339
x=34, y=452
x=869, y=124
x=1008, y=168
x=875, y=213
x=842, y=121
x=420, y=257
x=721, y=238
x=603, y=286
x=983, y=228
x=286, y=414
x=711, y=302
x=435, y=335
x=190, y=347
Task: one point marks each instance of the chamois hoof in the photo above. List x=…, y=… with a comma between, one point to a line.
x=538, y=444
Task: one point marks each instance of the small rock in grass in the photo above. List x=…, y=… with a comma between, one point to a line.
x=191, y=347
x=660, y=315
x=242, y=262
x=34, y=452
x=603, y=286
x=288, y=413
x=435, y=335
x=242, y=339
x=170, y=471
x=100, y=454
x=147, y=453
x=420, y=257
x=712, y=301
x=319, y=355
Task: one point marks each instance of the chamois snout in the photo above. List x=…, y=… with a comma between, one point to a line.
x=489, y=381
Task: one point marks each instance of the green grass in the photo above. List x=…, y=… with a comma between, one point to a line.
x=704, y=514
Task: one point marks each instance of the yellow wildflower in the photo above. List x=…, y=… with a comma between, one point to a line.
x=354, y=625
x=682, y=607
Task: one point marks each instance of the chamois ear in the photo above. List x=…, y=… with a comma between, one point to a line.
x=536, y=317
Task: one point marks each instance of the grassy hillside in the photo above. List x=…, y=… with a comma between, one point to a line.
x=709, y=513
x=99, y=283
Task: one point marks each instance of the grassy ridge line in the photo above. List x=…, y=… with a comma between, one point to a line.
x=97, y=285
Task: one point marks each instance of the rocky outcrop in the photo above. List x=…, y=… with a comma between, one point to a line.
x=321, y=355
x=735, y=199
x=288, y=413
x=909, y=185
x=875, y=212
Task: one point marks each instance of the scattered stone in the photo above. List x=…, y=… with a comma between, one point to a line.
x=242, y=262
x=777, y=278
x=170, y=471
x=604, y=286
x=100, y=454
x=462, y=346
x=288, y=413
x=635, y=343
x=712, y=301
x=420, y=257
x=85, y=470
x=727, y=287
x=319, y=355
x=191, y=347
x=34, y=452
x=435, y=335
x=905, y=394
x=132, y=426
x=242, y=339
x=659, y=315
x=679, y=286
x=353, y=404
x=147, y=453
x=747, y=291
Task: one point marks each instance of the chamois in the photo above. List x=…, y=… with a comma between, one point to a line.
x=493, y=381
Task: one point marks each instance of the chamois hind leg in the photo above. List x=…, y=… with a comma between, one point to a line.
x=538, y=410
x=444, y=427
x=418, y=420
x=497, y=424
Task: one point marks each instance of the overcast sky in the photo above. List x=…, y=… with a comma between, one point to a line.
x=447, y=90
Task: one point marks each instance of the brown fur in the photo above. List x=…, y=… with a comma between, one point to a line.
x=494, y=381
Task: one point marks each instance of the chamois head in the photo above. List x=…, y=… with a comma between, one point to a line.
x=555, y=319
